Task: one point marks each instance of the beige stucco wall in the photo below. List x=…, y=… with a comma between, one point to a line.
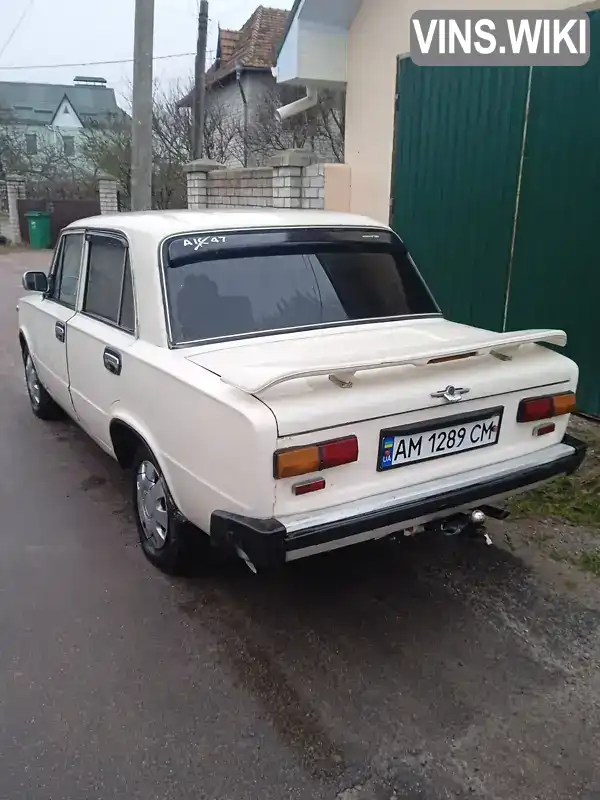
x=379, y=34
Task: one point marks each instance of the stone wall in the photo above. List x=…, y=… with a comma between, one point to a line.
x=313, y=186
x=291, y=180
x=240, y=188
x=5, y=229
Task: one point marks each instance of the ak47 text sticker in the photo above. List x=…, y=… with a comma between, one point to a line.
x=198, y=242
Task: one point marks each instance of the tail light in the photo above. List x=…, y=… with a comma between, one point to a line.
x=554, y=405
x=315, y=457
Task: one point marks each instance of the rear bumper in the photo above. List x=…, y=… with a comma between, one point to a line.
x=269, y=543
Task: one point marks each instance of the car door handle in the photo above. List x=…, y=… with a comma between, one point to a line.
x=60, y=330
x=112, y=361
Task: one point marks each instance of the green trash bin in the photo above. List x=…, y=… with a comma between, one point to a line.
x=40, y=235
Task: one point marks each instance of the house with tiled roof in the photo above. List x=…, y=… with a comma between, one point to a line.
x=241, y=90
x=38, y=115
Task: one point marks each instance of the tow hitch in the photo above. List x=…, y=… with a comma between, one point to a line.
x=471, y=524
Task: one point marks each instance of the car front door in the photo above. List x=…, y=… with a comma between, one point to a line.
x=48, y=317
x=100, y=337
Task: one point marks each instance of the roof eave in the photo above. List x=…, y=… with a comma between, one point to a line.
x=313, y=51
x=288, y=25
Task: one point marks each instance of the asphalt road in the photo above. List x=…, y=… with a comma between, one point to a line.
x=421, y=670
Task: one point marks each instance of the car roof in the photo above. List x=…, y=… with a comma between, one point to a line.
x=160, y=224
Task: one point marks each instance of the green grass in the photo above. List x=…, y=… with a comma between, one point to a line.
x=590, y=562
x=576, y=499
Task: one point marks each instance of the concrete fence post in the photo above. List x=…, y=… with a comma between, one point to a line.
x=197, y=179
x=288, y=169
x=15, y=190
x=108, y=192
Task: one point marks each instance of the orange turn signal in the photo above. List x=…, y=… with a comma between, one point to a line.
x=296, y=461
x=564, y=404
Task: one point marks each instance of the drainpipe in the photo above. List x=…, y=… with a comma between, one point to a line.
x=298, y=106
x=238, y=77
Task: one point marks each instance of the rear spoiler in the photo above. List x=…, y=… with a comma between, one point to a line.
x=254, y=380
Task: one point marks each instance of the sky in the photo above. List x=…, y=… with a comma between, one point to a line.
x=54, y=32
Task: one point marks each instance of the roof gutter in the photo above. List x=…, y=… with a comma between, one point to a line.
x=298, y=106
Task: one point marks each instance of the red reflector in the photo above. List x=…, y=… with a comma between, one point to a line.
x=341, y=451
x=542, y=430
x=309, y=486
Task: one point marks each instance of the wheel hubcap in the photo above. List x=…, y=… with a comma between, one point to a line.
x=33, y=382
x=152, y=504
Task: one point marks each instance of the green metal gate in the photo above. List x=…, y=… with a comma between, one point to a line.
x=459, y=135
x=496, y=191
x=555, y=271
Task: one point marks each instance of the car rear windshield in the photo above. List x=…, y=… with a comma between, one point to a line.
x=238, y=284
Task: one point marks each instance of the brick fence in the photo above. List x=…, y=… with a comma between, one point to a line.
x=235, y=188
x=291, y=180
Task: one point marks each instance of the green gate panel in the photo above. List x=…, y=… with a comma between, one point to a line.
x=458, y=143
x=555, y=280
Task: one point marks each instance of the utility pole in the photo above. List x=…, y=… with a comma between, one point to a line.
x=141, y=141
x=200, y=82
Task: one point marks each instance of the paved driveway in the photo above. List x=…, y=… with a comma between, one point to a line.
x=425, y=670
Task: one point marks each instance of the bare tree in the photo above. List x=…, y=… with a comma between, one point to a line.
x=222, y=133
x=321, y=128
x=107, y=148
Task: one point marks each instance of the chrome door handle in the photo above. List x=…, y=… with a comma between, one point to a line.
x=60, y=330
x=112, y=361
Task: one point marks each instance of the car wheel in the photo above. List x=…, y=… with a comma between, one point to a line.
x=165, y=537
x=42, y=405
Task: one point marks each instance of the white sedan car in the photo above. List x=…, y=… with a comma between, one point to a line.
x=283, y=383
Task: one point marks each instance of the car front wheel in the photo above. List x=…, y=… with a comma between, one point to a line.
x=42, y=405
x=164, y=535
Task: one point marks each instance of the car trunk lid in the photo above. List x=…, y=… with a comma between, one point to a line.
x=323, y=379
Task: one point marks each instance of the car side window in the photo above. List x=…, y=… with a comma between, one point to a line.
x=65, y=275
x=109, y=289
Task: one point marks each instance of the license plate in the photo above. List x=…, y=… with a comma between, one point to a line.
x=444, y=437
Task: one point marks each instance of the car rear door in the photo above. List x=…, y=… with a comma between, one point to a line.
x=100, y=337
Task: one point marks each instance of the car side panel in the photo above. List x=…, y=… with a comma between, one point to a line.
x=37, y=320
x=215, y=444
x=93, y=388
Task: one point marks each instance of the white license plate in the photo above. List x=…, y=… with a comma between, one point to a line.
x=415, y=443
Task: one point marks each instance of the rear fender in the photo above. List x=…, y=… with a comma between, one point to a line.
x=120, y=414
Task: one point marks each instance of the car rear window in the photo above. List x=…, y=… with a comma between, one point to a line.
x=224, y=285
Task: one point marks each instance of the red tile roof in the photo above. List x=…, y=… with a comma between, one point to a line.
x=227, y=44
x=252, y=47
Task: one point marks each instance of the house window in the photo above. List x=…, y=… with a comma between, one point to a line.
x=31, y=144
x=69, y=145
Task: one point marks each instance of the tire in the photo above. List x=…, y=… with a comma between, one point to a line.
x=42, y=405
x=166, y=538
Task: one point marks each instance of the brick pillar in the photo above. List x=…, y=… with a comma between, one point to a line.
x=288, y=170
x=15, y=189
x=197, y=180
x=108, y=191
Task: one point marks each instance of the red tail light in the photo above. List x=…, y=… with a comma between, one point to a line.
x=342, y=451
x=301, y=460
x=553, y=405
